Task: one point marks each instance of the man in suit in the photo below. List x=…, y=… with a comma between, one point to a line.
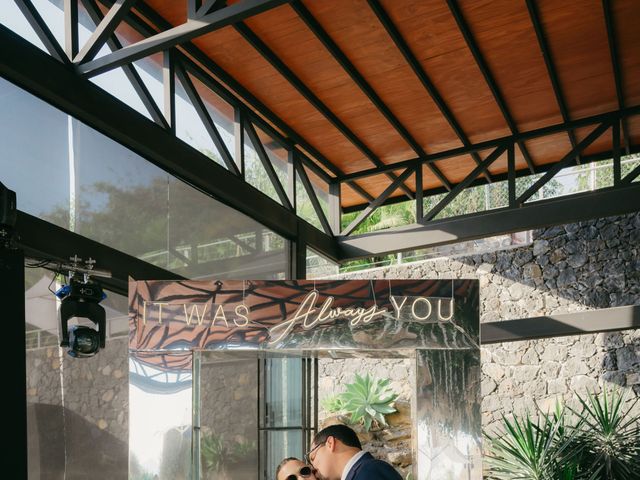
x=336, y=454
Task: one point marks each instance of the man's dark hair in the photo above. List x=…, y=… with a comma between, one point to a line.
x=340, y=432
x=282, y=463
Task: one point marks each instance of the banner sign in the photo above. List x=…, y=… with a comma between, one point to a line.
x=188, y=315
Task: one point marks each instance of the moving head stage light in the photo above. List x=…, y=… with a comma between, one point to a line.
x=81, y=300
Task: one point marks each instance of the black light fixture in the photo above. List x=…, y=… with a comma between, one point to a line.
x=81, y=300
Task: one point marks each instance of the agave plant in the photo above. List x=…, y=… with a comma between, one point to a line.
x=527, y=448
x=213, y=452
x=368, y=400
x=332, y=404
x=600, y=442
x=609, y=440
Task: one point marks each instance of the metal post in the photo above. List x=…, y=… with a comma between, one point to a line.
x=13, y=307
x=335, y=210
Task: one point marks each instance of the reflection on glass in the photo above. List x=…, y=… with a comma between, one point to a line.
x=279, y=444
x=38, y=171
x=160, y=410
x=282, y=403
x=449, y=420
x=255, y=174
x=190, y=128
x=228, y=417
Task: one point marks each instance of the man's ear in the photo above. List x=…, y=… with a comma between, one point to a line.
x=331, y=443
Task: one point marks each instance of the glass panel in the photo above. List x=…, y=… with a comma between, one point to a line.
x=71, y=401
x=279, y=157
x=121, y=199
x=84, y=181
x=304, y=207
x=51, y=11
x=190, y=128
x=279, y=444
x=12, y=18
x=255, y=174
x=42, y=180
x=282, y=402
x=160, y=408
x=320, y=267
x=229, y=417
x=117, y=84
x=220, y=112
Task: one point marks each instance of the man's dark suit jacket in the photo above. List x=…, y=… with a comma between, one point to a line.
x=368, y=468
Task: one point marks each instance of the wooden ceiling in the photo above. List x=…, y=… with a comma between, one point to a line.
x=410, y=122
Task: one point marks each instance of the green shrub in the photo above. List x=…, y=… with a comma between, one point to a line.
x=597, y=441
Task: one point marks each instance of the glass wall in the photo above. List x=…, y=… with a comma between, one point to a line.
x=69, y=174
x=77, y=418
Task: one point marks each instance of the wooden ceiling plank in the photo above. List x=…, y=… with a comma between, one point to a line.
x=484, y=68
x=615, y=63
x=357, y=77
x=413, y=62
x=551, y=69
x=311, y=97
x=176, y=35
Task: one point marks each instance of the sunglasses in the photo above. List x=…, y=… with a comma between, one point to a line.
x=304, y=473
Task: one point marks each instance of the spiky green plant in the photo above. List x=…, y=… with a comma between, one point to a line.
x=530, y=449
x=600, y=442
x=368, y=400
x=609, y=440
x=213, y=452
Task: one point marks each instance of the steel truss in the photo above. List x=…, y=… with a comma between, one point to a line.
x=182, y=60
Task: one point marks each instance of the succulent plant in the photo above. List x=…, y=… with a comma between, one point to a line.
x=368, y=400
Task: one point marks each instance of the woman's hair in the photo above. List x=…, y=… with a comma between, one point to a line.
x=282, y=463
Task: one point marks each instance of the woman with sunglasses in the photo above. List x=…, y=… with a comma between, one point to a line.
x=293, y=469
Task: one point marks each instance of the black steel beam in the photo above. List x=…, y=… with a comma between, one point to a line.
x=364, y=86
x=419, y=71
x=306, y=183
x=493, y=156
x=511, y=175
x=615, y=64
x=563, y=163
x=210, y=68
x=104, y=30
x=210, y=5
x=12, y=298
x=579, y=323
x=178, y=35
x=630, y=177
x=43, y=32
x=43, y=240
x=71, y=27
x=23, y=64
x=617, y=166
x=130, y=72
x=169, y=89
x=551, y=69
x=488, y=76
x=203, y=113
x=498, y=177
x=477, y=147
x=268, y=54
x=556, y=211
x=364, y=214
x=268, y=167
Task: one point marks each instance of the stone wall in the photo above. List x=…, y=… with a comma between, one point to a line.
x=77, y=407
x=576, y=267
